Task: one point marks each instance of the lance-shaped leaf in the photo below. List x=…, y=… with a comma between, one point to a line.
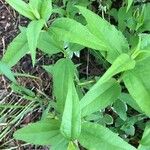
x=46, y=9
x=69, y=30
x=63, y=70
x=71, y=119
x=138, y=84
x=22, y=90
x=99, y=97
x=122, y=63
x=22, y=8
x=48, y=44
x=16, y=50
x=41, y=133
x=113, y=40
x=129, y=4
x=35, y=6
x=5, y=70
x=33, y=33
x=41, y=8
x=94, y=136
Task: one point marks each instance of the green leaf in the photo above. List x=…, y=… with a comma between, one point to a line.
x=33, y=33
x=143, y=47
x=61, y=144
x=75, y=47
x=145, y=141
x=22, y=90
x=130, y=101
x=145, y=18
x=46, y=9
x=22, y=8
x=99, y=97
x=141, y=147
x=137, y=83
x=124, y=18
x=112, y=40
x=122, y=63
x=69, y=30
x=48, y=44
x=129, y=130
x=108, y=119
x=71, y=119
x=94, y=136
x=129, y=4
x=120, y=108
x=49, y=69
x=35, y=7
x=35, y=3
x=41, y=8
x=5, y=70
x=63, y=70
x=40, y=133
x=16, y=50
x=145, y=41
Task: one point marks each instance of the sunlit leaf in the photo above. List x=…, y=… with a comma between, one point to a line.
x=33, y=33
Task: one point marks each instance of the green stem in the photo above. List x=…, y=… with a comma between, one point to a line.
x=86, y=83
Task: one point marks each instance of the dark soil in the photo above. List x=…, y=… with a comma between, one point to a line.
x=9, y=24
x=9, y=29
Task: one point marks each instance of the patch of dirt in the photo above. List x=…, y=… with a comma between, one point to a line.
x=9, y=29
x=9, y=24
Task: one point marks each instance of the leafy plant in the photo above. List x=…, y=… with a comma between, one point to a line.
x=76, y=121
